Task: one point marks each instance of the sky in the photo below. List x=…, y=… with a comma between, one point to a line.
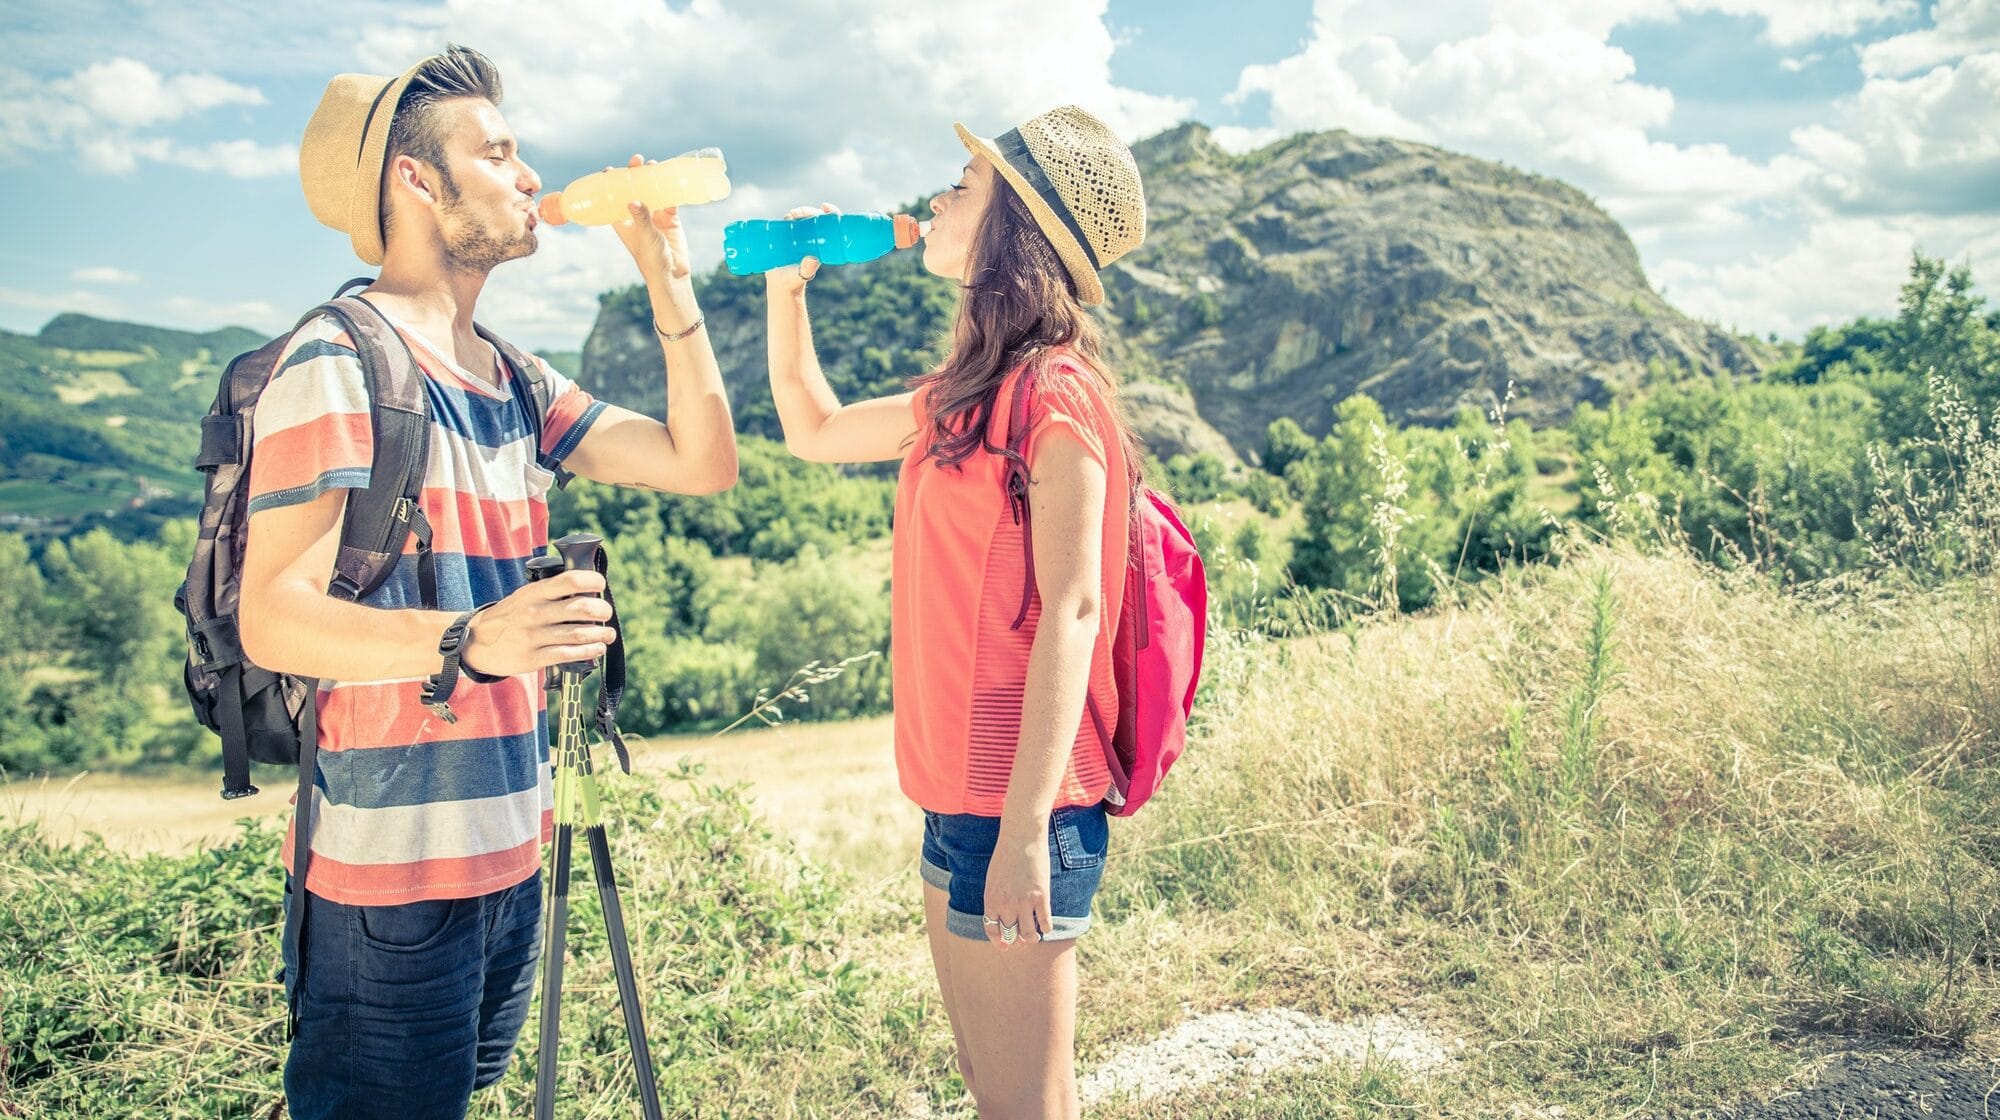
x=1775, y=161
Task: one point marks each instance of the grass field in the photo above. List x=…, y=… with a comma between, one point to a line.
x=84, y=492
x=1639, y=832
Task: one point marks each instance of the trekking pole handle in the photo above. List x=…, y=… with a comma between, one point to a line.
x=540, y=568
x=580, y=552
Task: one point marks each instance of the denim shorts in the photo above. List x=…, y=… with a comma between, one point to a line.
x=959, y=846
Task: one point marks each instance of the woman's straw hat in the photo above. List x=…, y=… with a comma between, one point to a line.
x=1081, y=184
x=341, y=156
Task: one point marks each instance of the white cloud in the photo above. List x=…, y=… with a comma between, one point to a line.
x=1930, y=143
x=1841, y=268
x=798, y=80
x=104, y=274
x=1959, y=28
x=553, y=294
x=196, y=314
x=849, y=103
x=131, y=94
x=242, y=159
x=77, y=299
x=110, y=113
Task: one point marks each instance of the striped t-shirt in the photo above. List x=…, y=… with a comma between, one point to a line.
x=411, y=807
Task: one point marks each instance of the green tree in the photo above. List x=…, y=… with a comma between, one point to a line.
x=1284, y=444
x=1942, y=328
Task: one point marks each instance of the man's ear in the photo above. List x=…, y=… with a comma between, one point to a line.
x=407, y=172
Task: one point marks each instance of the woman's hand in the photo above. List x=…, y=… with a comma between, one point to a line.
x=1017, y=889
x=790, y=281
x=655, y=239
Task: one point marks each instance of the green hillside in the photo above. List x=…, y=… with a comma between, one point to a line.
x=102, y=422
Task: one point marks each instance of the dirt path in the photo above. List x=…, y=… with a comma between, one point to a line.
x=831, y=786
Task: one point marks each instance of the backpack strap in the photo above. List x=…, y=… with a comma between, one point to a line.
x=527, y=371
x=1017, y=480
x=304, y=817
x=380, y=518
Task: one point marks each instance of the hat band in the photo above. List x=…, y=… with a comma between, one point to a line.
x=361, y=149
x=1015, y=150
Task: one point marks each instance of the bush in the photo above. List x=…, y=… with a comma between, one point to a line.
x=808, y=609
x=146, y=987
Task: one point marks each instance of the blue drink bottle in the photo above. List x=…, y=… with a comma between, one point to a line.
x=754, y=246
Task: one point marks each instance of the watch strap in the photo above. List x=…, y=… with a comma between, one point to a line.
x=437, y=690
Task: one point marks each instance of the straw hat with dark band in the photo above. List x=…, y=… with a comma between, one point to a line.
x=341, y=156
x=1081, y=184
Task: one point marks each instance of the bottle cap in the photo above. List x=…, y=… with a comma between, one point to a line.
x=908, y=232
x=551, y=209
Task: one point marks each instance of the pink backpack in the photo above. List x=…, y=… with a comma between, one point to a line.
x=1156, y=652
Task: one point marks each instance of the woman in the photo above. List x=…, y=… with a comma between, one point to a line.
x=995, y=739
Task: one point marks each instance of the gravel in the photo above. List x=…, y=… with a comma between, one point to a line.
x=1258, y=1043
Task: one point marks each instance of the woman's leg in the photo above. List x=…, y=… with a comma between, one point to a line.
x=1014, y=1012
x=936, y=902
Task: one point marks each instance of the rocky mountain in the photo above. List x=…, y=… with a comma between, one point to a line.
x=1275, y=284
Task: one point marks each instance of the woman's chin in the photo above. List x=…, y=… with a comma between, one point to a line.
x=936, y=266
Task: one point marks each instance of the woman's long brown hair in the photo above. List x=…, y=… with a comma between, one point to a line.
x=1019, y=306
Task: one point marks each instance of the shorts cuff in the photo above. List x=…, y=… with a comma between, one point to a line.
x=972, y=927
x=933, y=874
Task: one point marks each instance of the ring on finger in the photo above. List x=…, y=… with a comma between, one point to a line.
x=990, y=920
x=1009, y=934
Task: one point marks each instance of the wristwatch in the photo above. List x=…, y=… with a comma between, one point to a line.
x=438, y=688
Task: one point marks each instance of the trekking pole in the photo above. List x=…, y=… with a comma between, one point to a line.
x=577, y=802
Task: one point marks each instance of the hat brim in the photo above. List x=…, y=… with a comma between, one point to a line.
x=1089, y=288
x=364, y=221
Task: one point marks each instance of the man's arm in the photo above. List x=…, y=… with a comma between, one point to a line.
x=694, y=450
x=289, y=624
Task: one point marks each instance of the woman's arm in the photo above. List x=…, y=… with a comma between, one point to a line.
x=1068, y=497
x=817, y=426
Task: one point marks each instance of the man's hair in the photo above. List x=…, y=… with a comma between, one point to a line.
x=418, y=128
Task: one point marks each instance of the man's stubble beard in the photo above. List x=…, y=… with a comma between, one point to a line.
x=470, y=247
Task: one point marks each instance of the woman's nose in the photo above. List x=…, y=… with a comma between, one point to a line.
x=938, y=202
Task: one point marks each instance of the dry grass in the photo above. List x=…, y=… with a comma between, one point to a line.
x=1629, y=820
x=1629, y=824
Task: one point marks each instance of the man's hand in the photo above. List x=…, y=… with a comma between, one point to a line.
x=655, y=239
x=791, y=280
x=544, y=623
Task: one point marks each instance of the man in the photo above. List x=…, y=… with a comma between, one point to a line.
x=422, y=897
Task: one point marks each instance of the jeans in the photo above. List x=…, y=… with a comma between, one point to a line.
x=407, y=1009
